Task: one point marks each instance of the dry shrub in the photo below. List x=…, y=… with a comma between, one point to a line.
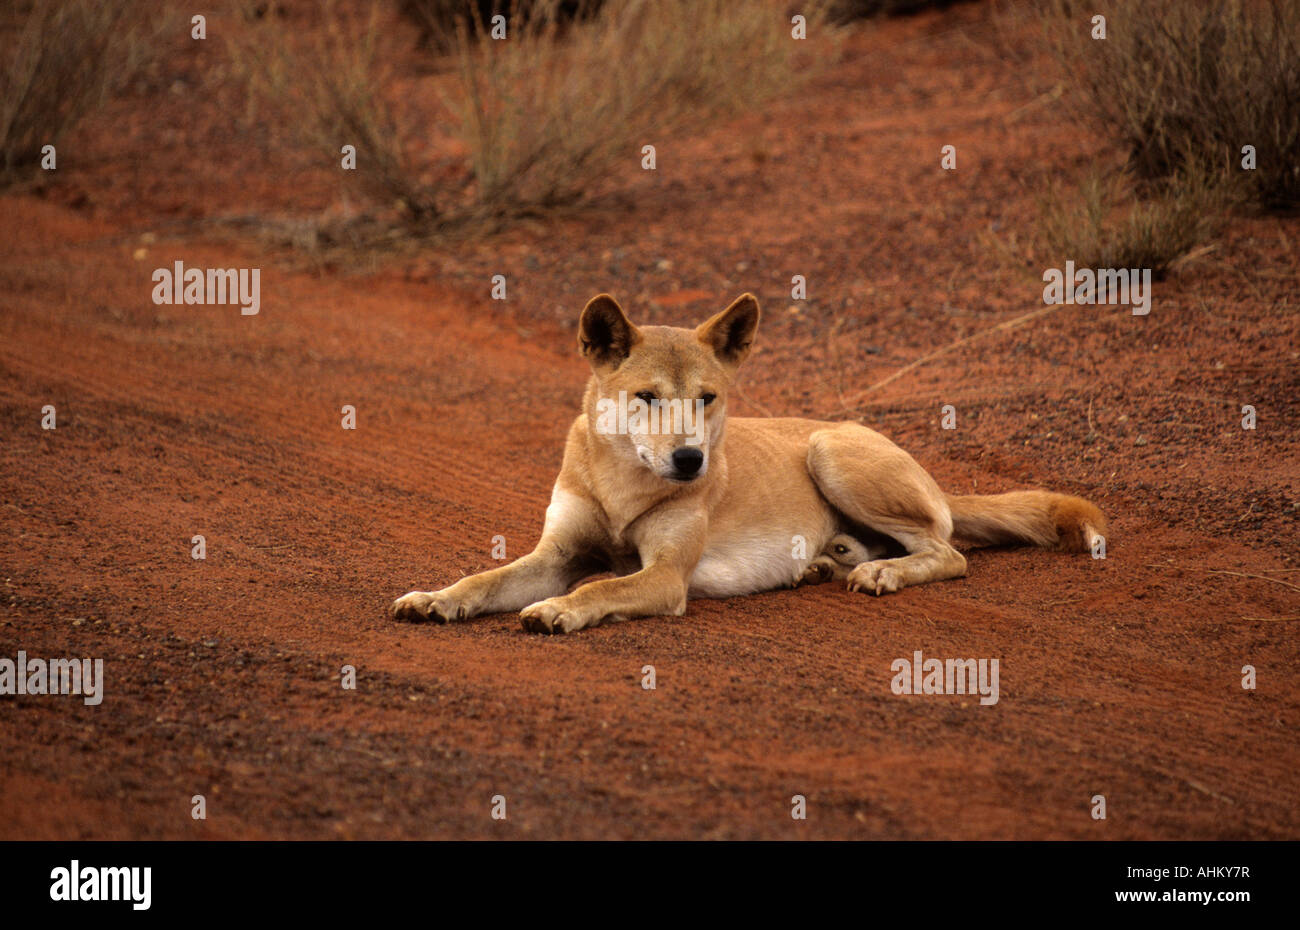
x=843, y=11
x=67, y=55
x=438, y=20
x=326, y=84
x=551, y=111
x=542, y=117
x=1175, y=80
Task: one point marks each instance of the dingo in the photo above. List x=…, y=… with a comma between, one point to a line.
x=734, y=507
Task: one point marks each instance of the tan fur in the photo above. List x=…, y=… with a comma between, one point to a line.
x=768, y=506
x=1038, y=517
x=842, y=554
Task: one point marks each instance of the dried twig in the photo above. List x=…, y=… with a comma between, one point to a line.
x=1008, y=324
x=1216, y=571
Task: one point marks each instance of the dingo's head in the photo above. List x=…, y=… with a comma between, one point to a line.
x=661, y=391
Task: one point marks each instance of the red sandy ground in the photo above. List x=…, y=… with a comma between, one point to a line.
x=1119, y=677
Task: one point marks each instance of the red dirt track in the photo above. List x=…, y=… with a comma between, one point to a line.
x=1119, y=677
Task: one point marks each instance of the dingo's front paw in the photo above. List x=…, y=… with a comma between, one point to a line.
x=551, y=616
x=876, y=578
x=427, y=605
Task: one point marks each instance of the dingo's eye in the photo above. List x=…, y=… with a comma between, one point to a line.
x=709, y=398
x=841, y=549
x=646, y=396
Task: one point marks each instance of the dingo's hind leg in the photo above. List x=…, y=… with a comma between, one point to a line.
x=874, y=482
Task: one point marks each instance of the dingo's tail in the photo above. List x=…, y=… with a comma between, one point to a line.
x=1037, y=517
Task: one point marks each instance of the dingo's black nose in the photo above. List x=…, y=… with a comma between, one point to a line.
x=687, y=460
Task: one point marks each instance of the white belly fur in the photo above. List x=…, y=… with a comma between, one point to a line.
x=758, y=559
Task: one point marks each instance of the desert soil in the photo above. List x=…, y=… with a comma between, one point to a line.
x=1120, y=677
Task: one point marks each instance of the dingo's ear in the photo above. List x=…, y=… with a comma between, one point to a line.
x=731, y=332
x=605, y=336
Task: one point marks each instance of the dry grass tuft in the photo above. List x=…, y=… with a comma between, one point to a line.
x=67, y=56
x=1107, y=225
x=543, y=117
